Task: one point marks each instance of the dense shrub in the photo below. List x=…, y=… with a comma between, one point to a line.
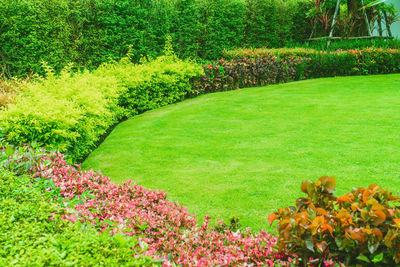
x=187, y=28
x=165, y=229
x=260, y=52
x=32, y=232
x=224, y=23
x=361, y=227
x=271, y=23
x=67, y=113
x=347, y=44
x=151, y=85
x=10, y=88
x=229, y=75
x=333, y=63
x=32, y=31
x=71, y=112
x=89, y=33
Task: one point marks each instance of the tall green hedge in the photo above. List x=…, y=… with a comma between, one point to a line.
x=90, y=32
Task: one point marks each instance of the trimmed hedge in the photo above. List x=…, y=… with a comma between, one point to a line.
x=331, y=63
x=33, y=233
x=71, y=112
x=347, y=44
x=230, y=75
x=89, y=33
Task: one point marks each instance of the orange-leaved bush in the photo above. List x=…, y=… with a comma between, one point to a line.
x=361, y=227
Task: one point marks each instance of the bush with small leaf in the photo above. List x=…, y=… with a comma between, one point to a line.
x=10, y=88
x=331, y=63
x=33, y=232
x=361, y=227
x=169, y=232
x=246, y=72
x=71, y=112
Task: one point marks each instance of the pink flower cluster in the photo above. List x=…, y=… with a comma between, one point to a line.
x=165, y=228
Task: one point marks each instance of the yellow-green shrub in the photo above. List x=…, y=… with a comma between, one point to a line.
x=67, y=113
x=156, y=83
x=71, y=112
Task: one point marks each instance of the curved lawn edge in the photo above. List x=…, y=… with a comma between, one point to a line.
x=327, y=138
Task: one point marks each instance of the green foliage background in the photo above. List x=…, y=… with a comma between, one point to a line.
x=90, y=32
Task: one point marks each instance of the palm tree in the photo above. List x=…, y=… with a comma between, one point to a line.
x=376, y=2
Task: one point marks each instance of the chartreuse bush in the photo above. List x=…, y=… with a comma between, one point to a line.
x=153, y=84
x=71, y=112
x=67, y=113
x=361, y=227
x=33, y=233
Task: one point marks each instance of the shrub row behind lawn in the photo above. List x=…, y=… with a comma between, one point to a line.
x=33, y=233
x=240, y=73
x=258, y=67
x=334, y=63
x=167, y=231
x=347, y=44
x=71, y=112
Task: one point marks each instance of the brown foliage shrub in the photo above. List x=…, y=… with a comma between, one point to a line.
x=361, y=227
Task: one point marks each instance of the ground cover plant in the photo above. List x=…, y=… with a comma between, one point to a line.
x=158, y=227
x=244, y=153
x=33, y=231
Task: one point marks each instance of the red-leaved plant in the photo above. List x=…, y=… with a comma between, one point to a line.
x=361, y=227
x=240, y=73
x=166, y=229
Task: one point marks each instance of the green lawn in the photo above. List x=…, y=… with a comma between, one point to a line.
x=245, y=153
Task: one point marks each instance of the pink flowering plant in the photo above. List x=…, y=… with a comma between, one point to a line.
x=165, y=229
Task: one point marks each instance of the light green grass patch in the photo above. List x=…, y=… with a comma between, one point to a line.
x=245, y=153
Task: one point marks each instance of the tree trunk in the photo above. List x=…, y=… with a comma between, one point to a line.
x=353, y=9
x=380, y=30
x=389, y=32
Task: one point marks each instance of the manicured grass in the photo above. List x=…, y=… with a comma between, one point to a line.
x=245, y=153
